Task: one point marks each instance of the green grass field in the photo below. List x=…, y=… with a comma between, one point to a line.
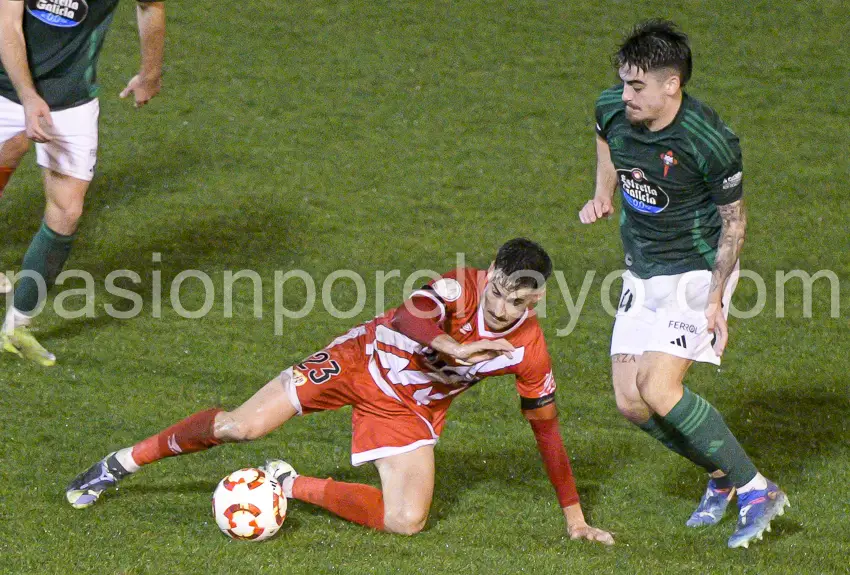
x=390, y=136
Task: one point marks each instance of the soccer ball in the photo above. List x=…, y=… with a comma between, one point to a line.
x=249, y=505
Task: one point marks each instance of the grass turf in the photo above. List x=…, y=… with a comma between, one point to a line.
x=382, y=136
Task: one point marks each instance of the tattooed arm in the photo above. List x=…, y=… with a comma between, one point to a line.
x=734, y=218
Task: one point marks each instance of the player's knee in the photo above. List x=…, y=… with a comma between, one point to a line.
x=232, y=429
x=636, y=412
x=406, y=521
x=71, y=214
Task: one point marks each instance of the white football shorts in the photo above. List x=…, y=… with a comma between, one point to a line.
x=667, y=314
x=73, y=150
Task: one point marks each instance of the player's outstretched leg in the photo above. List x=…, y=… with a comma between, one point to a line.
x=5, y=284
x=757, y=508
x=266, y=410
x=195, y=433
x=355, y=502
x=400, y=506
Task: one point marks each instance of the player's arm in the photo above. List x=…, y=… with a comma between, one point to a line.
x=544, y=424
x=602, y=204
x=13, y=54
x=418, y=318
x=724, y=176
x=734, y=227
x=146, y=84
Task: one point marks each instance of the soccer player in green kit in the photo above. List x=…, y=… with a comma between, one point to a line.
x=682, y=223
x=48, y=94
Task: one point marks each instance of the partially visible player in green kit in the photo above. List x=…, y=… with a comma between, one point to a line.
x=48, y=94
x=682, y=223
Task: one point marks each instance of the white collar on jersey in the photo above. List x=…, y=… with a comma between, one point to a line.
x=482, y=325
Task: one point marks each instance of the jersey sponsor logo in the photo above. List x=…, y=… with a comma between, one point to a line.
x=669, y=160
x=59, y=13
x=682, y=326
x=641, y=194
x=732, y=181
x=447, y=288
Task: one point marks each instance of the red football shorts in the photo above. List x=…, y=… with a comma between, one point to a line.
x=381, y=426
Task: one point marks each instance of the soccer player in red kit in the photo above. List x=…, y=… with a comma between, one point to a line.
x=399, y=372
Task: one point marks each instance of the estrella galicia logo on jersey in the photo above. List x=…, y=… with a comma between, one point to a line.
x=641, y=194
x=59, y=13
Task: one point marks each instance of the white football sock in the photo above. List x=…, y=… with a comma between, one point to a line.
x=15, y=318
x=757, y=482
x=125, y=458
x=286, y=485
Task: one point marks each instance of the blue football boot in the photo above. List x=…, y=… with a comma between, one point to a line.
x=711, y=506
x=757, y=510
x=88, y=486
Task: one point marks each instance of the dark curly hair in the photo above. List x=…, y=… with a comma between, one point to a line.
x=656, y=45
x=524, y=263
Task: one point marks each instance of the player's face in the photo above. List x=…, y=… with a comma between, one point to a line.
x=647, y=94
x=504, y=305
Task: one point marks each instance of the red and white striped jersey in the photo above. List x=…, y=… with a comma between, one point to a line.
x=427, y=381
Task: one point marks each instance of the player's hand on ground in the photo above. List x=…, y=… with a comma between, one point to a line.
x=717, y=324
x=595, y=209
x=483, y=350
x=143, y=89
x=585, y=531
x=38, y=121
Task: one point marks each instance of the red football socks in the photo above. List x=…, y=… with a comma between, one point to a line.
x=355, y=502
x=195, y=433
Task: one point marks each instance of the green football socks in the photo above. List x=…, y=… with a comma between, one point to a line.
x=705, y=431
x=46, y=256
x=659, y=429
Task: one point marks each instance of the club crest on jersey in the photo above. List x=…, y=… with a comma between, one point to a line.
x=642, y=195
x=59, y=13
x=298, y=378
x=447, y=288
x=668, y=159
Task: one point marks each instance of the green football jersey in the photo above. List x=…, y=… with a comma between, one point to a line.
x=63, y=39
x=671, y=181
